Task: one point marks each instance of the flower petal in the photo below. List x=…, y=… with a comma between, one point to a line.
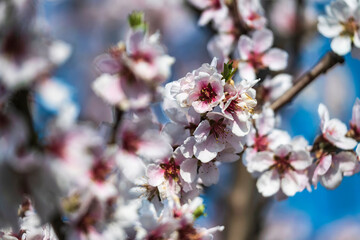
x=268, y=183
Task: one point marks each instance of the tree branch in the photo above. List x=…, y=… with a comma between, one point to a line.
x=117, y=119
x=329, y=60
x=19, y=101
x=240, y=25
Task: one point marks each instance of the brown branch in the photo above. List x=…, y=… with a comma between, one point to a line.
x=329, y=60
x=117, y=119
x=240, y=25
x=245, y=207
x=20, y=101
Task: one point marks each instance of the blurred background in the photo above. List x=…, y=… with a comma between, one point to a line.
x=92, y=26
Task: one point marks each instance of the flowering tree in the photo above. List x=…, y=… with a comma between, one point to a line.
x=135, y=178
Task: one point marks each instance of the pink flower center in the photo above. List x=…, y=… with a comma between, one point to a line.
x=261, y=143
x=216, y=4
x=171, y=170
x=207, y=94
x=253, y=16
x=218, y=128
x=88, y=219
x=233, y=106
x=255, y=59
x=142, y=56
x=100, y=171
x=130, y=142
x=282, y=163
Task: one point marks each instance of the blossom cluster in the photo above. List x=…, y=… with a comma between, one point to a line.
x=136, y=178
x=131, y=72
x=342, y=24
x=285, y=167
x=251, y=41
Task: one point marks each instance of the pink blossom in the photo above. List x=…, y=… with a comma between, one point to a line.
x=276, y=86
x=207, y=93
x=192, y=170
x=355, y=120
x=221, y=46
x=132, y=72
x=282, y=170
x=215, y=10
x=255, y=54
x=334, y=131
x=330, y=169
x=263, y=136
x=184, y=122
x=252, y=13
x=147, y=58
x=342, y=25
x=165, y=174
x=239, y=103
x=214, y=135
x=153, y=225
x=205, y=78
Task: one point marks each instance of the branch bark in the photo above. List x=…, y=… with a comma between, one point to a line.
x=117, y=120
x=20, y=101
x=240, y=25
x=329, y=60
x=245, y=207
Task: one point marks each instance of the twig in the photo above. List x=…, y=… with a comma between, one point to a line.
x=297, y=36
x=329, y=60
x=245, y=207
x=19, y=101
x=117, y=119
x=240, y=25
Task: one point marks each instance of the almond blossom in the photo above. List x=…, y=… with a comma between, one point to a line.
x=165, y=174
x=132, y=71
x=215, y=10
x=214, y=135
x=263, y=136
x=282, y=170
x=355, y=120
x=330, y=169
x=275, y=87
x=334, y=131
x=202, y=88
x=256, y=53
x=207, y=93
x=252, y=13
x=332, y=165
x=239, y=103
x=342, y=25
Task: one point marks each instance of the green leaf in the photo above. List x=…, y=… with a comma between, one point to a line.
x=136, y=21
x=228, y=71
x=199, y=211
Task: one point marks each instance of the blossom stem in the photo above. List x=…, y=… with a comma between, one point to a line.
x=20, y=101
x=238, y=20
x=117, y=119
x=329, y=60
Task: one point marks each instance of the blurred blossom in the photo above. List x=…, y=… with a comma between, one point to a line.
x=256, y=53
x=344, y=229
x=341, y=23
